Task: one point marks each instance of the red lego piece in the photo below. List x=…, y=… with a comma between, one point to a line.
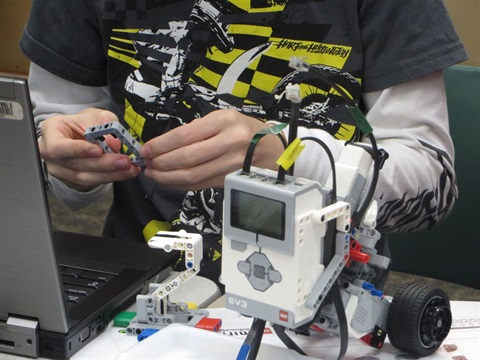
x=211, y=324
x=356, y=253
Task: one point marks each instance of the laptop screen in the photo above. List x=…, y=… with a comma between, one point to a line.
x=29, y=278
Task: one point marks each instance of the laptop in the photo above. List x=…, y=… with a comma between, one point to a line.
x=58, y=290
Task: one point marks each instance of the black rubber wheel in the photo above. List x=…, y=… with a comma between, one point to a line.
x=419, y=319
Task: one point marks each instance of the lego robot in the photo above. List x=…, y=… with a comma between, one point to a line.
x=301, y=255
x=274, y=263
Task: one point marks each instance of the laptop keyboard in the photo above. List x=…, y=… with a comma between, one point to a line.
x=79, y=284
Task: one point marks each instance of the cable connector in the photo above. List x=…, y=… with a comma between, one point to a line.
x=292, y=93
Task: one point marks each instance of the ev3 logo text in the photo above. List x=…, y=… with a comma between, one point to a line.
x=237, y=302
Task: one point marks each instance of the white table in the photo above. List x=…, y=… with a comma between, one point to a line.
x=183, y=342
x=179, y=341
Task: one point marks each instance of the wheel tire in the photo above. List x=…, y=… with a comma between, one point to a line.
x=419, y=319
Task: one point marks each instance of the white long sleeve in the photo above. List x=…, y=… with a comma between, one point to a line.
x=53, y=95
x=417, y=186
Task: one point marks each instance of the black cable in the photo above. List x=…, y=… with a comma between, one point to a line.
x=341, y=317
x=251, y=344
x=336, y=297
x=358, y=215
x=282, y=139
x=287, y=340
x=293, y=126
x=333, y=193
x=349, y=101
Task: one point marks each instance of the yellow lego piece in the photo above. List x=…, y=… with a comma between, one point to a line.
x=291, y=153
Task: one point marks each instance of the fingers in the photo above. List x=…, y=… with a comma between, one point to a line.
x=202, y=140
x=195, y=131
x=192, y=167
x=77, y=162
x=190, y=155
x=200, y=154
x=84, y=173
x=94, y=161
x=62, y=135
x=87, y=180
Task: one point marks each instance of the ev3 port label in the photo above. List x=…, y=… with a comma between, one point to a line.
x=11, y=110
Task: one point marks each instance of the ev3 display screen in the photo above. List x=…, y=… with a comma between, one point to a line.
x=257, y=214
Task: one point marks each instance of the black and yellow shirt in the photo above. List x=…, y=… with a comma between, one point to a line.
x=167, y=62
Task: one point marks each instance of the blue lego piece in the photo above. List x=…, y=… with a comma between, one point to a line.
x=146, y=333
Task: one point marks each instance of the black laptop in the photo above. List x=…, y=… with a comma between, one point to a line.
x=58, y=290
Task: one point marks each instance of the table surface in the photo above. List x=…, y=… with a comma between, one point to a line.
x=179, y=341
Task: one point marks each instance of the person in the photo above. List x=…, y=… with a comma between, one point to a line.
x=194, y=80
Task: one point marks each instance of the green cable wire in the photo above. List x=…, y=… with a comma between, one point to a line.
x=271, y=130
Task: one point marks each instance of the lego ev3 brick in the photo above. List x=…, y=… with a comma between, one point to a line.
x=96, y=134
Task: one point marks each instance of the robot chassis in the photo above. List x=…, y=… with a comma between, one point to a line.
x=303, y=260
x=276, y=267
x=285, y=282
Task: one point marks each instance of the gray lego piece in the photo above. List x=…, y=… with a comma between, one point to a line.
x=96, y=134
x=331, y=273
x=259, y=271
x=148, y=318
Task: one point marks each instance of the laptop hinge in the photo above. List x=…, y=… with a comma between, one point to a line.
x=19, y=336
